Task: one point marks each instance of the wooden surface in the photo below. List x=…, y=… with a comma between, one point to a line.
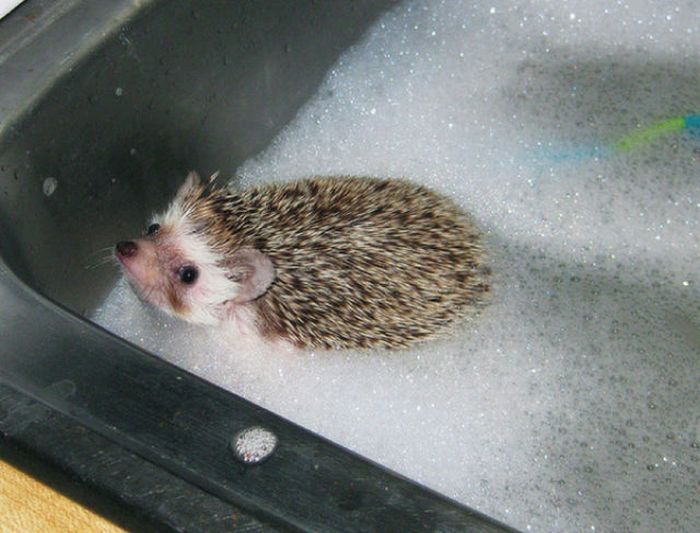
x=28, y=506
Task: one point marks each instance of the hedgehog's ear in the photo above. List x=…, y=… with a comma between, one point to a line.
x=252, y=270
x=192, y=182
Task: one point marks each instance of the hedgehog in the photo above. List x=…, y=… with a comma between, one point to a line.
x=328, y=263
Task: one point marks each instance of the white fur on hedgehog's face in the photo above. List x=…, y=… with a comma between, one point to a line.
x=174, y=268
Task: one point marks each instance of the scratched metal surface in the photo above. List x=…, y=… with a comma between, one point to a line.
x=103, y=476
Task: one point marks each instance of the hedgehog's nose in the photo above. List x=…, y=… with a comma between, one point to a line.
x=126, y=248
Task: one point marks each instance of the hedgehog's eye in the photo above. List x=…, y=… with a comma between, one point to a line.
x=153, y=229
x=188, y=274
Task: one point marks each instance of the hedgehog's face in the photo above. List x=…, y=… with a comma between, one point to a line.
x=174, y=268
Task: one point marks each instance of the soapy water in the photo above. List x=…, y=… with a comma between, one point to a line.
x=571, y=402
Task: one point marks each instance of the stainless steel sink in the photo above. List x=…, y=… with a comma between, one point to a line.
x=104, y=105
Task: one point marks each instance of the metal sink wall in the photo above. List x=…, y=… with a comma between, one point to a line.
x=174, y=86
x=104, y=105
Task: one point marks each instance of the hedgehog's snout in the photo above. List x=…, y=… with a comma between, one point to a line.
x=126, y=248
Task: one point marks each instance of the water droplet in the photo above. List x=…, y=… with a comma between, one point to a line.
x=254, y=444
x=49, y=186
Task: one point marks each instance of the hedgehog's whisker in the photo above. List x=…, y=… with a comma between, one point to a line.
x=101, y=251
x=101, y=262
x=146, y=293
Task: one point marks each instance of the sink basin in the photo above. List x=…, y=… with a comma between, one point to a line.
x=104, y=107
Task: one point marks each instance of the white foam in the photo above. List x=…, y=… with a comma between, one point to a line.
x=571, y=403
